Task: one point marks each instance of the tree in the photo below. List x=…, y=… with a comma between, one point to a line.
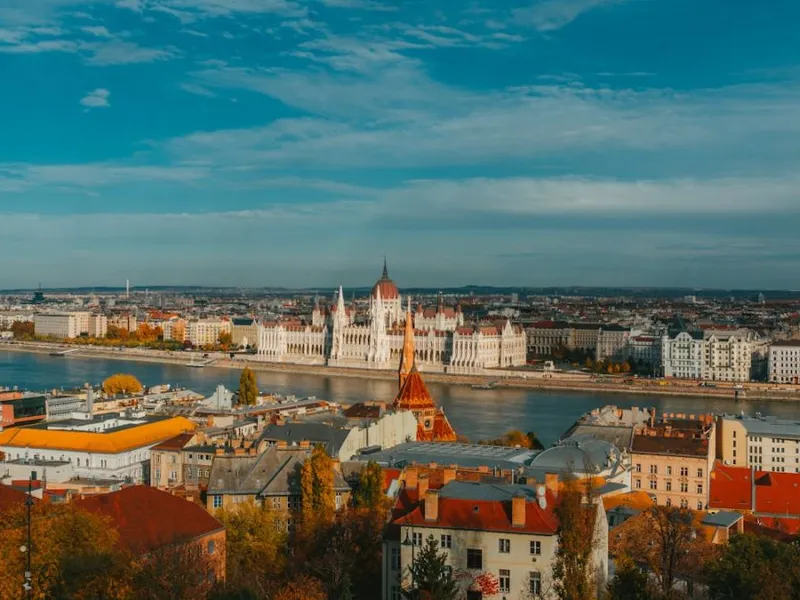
x=317, y=496
x=369, y=493
x=755, y=568
x=573, y=571
x=514, y=438
x=225, y=339
x=301, y=588
x=122, y=383
x=629, y=583
x=430, y=578
x=23, y=330
x=73, y=554
x=248, y=387
x=179, y=572
x=255, y=548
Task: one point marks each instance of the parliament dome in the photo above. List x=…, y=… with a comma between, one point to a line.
x=388, y=289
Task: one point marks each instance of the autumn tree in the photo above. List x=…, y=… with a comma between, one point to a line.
x=73, y=554
x=515, y=437
x=23, y=330
x=430, y=579
x=225, y=339
x=301, y=588
x=248, y=387
x=178, y=572
x=256, y=544
x=755, y=568
x=573, y=569
x=664, y=541
x=629, y=582
x=318, y=501
x=122, y=383
x=369, y=493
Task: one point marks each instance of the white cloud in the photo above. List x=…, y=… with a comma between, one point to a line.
x=95, y=175
x=97, y=31
x=122, y=53
x=41, y=46
x=198, y=90
x=96, y=99
x=549, y=15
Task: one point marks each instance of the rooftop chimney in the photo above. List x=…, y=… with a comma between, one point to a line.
x=432, y=505
x=448, y=475
x=411, y=477
x=518, y=511
x=422, y=486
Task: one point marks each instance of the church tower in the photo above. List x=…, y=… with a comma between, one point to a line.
x=407, y=357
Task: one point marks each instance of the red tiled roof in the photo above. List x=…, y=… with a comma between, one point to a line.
x=485, y=515
x=390, y=475
x=776, y=493
x=10, y=497
x=174, y=443
x=148, y=519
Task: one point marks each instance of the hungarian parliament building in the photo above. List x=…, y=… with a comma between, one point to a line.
x=443, y=342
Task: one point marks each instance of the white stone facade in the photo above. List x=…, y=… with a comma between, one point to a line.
x=57, y=325
x=784, y=362
x=710, y=355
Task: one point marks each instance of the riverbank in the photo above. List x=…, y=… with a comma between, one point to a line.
x=531, y=380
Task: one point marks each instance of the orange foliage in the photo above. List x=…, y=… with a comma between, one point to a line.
x=301, y=588
x=122, y=383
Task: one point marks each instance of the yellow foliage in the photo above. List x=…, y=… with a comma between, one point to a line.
x=122, y=383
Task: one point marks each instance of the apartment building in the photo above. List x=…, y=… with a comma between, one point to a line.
x=505, y=531
x=206, y=332
x=244, y=332
x=672, y=460
x=83, y=321
x=611, y=339
x=174, y=330
x=56, y=325
x=545, y=336
x=784, y=362
x=123, y=321
x=682, y=354
x=727, y=355
x=98, y=326
x=764, y=443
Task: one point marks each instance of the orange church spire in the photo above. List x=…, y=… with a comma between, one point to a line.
x=407, y=358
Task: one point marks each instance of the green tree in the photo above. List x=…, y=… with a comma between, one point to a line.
x=430, y=578
x=369, y=493
x=629, y=582
x=755, y=568
x=248, y=387
x=317, y=495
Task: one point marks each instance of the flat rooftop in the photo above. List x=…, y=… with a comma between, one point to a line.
x=463, y=455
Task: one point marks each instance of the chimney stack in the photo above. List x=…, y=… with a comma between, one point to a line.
x=518, y=511
x=432, y=505
x=422, y=486
x=411, y=477
x=448, y=475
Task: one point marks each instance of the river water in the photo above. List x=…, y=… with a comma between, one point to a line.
x=477, y=414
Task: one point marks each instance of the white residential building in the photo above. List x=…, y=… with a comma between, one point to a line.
x=98, y=326
x=56, y=325
x=784, y=362
x=83, y=321
x=508, y=532
x=7, y=319
x=765, y=443
x=682, y=355
x=710, y=355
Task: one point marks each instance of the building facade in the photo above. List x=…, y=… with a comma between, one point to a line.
x=784, y=362
x=98, y=325
x=206, y=332
x=336, y=338
x=56, y=325
x=763, y=443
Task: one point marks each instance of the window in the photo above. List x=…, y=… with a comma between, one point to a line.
x=504, y=545
x=637, y=483
x=699, y=506
x=638, y=467
x=699, y=472
x=668, y=485
x=338, y=500
x=416, y=538
x=535, y=582
x=536, y=547
x=653, y=484
x=396, y=595
x=211, y=546
x=684, y=487
x=669, y=470
x=699, y=488
x=446, y=541
x=395, y=559
x=654, y=469
x=276, y=502
x=474, y=558
x=684, y=503
x=684, y=471
x=668, y=502
x=294, y=502
x=505, y=581
x=217, y=502
x=173, y=475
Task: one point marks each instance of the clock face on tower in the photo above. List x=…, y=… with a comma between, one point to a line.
x=427, y=423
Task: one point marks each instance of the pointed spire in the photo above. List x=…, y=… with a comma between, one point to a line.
x=340, y=301
x=407, y=360
x=385, y=274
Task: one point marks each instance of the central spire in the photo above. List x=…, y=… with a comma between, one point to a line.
x=385, y=274
x=407, y=358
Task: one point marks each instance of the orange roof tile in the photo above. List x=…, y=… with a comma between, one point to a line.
x=85, y=441
x=414, y=394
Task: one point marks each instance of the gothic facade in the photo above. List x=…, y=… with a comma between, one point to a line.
x=442, y=341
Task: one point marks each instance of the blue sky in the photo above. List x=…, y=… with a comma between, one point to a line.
x=289, y=142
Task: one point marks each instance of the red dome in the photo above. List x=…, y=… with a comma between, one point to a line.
x=386, y=286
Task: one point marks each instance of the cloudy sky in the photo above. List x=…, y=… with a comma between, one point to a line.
x=296, y=142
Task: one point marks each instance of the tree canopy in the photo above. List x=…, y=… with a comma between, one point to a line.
x=248, y=387
x=430, y=579
x=122, y=383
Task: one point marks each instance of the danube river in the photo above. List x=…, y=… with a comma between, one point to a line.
x=477, y=414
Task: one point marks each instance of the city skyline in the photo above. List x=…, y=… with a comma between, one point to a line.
x=293, y=144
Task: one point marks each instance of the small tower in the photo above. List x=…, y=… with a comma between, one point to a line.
x=407, y=358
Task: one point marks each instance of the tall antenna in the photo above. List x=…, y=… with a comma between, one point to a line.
x=127, y=289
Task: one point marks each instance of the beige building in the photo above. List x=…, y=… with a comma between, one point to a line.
x=244, y=332
x=672, y=460
x=98, y=326
x=506, y=532
x=546, y=336
x=763, y=443
x=123, y=321
x=56, y=325
x=206, y=332
x=83, y=321
x=174, y=330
